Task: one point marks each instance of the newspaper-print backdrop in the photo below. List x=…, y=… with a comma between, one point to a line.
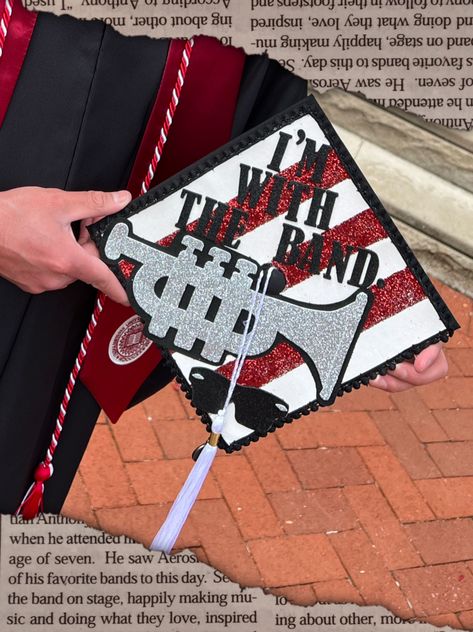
x=414, y=55
x=346, y=299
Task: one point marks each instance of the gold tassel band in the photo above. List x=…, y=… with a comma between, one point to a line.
x=213, y=439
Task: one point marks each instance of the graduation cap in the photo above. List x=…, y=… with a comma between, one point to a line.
x=274, y=280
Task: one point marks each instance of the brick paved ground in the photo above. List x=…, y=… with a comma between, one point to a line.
x=370, y=502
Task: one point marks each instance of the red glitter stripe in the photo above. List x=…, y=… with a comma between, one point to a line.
x=334, y=173
x=362, y=230
x=401, y=290
x=359, y=231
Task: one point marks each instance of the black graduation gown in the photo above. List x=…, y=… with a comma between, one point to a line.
x=75, y=122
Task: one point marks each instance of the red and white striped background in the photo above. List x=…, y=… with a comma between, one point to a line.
x=401, y=314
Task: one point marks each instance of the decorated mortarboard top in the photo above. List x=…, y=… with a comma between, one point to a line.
x=273, y=276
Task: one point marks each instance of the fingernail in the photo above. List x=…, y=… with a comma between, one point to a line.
x=427, y=363
x=380, y=382
x=121, y=197
x=400, y=372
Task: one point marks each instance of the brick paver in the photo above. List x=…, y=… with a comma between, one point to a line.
x=442, y=541
x=453, y=459
x=296, y=559
x=313, y=511
x=329, y=467
x=396, y=484
x=438, y=589
x=303, y=595
x=135, y=438
x=370, y=502
x=368, y=572
x=449, y=497
x=272, y=466
x=337, y=591
x=404, y=443
x=382, y=526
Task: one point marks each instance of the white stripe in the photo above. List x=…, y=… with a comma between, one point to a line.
x=392, y=336
x=232, y=430
x=221, y=183
x=385, y=340
x=296, y=387
x=318, y=290
x=186, y=364
x=261, y=240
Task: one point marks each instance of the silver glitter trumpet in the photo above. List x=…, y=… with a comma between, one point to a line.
x=198, y=309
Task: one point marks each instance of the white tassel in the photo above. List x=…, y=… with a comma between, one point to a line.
x=171, y=528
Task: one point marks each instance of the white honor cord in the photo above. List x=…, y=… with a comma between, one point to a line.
x=247, y=338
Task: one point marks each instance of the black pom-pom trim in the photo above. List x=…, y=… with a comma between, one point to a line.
x=307, y=106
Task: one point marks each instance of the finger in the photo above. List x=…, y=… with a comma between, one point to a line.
x=84, y=235
x=407, y=373
x=84, y=238
x=92, y=270
x=390, y=383
x=427, y=357
x=90, y=248
x=85, y=204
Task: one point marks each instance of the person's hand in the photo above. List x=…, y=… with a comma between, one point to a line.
x=430, y=365
x=38, y=250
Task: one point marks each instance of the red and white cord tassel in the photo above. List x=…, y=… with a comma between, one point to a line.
x=4, y=22
x=32, y=503
x=168, y=118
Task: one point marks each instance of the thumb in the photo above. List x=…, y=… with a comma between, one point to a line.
x=80, y=205
x=92, y=270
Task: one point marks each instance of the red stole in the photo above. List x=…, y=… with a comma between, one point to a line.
x=20, y=30
x=119, y=358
